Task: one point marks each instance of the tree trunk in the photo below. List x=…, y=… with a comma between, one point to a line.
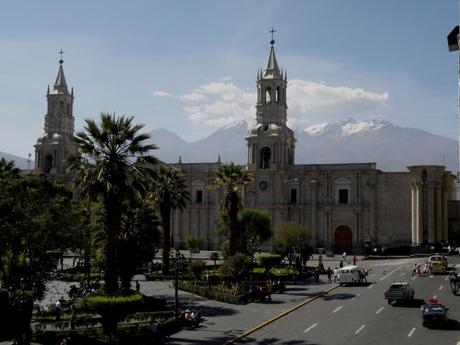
x=233, y=223
x=113, y=226
x=165, y=212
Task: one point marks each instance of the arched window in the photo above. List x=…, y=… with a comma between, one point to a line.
x=265, y=155
x=48, y=163
x=278, y=95
x=61, y=103
x=259, y=94
x=68, y=109
x=268, y=95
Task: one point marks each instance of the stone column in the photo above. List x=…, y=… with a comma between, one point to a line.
x=418, y=206
x=431, y=213
x=438, y=234
x=314, y=211
x=414, y=213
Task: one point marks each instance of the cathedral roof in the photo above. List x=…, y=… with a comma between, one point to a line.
x=60, y=85
x=272, y=70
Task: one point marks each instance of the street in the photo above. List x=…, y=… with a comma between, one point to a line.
x=346, y=315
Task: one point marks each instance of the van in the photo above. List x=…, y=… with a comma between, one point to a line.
x=350, y=275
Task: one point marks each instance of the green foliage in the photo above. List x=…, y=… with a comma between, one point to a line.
x=38, y=218
x=230, y=178
x=197, y=267
x=214, y=256
x=235, y=267
x=113, y=169
x=268, y=261
x=291, y=238
x=237, y=294
x=254, y=228
x=113, y=308
x=193, y=243
x=169, y=193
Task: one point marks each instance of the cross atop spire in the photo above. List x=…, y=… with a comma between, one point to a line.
x=60, y=60
x=272, y=31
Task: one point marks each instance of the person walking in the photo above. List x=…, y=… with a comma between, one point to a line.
x=269, y=290
x=354, y=260
x=341, y=263
x=317, y=275
x=329, y=275
x=57, y=310
x=336, y=273
x=414, y=270
x=138, y=286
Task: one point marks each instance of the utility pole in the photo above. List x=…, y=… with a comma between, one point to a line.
x=453, y=44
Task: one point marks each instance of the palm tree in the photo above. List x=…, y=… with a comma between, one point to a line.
x=112, y=169
x=230, y=177
x=8, y=169
x=168, y=194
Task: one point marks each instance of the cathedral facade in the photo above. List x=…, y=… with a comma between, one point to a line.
x=348, y=206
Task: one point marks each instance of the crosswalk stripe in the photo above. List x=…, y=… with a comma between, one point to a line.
x=311, y=327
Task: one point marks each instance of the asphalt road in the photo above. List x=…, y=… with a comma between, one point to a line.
x=360, y=315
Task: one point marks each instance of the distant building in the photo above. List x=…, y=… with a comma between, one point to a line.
x=348, y=206
x=56, y=145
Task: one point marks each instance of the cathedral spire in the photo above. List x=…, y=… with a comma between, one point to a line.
x=272, y=70
x=60, y=85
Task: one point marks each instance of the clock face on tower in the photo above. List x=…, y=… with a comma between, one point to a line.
x=263, y=185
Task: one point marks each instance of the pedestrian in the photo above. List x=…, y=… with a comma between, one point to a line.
x=138, y=286
x=336, y=273
x=425, y=269
x=317, y=275
x=341, y=263
x=73, y=317
x=329, y=275
x=414, y=270
x=57, y=310
x=419, y=270
x=384, y=251
x=354, y=260
x=344, y=256
x=269, y=290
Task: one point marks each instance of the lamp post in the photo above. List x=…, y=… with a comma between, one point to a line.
x=176, y=292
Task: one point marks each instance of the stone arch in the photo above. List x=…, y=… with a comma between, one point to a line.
x=265, y=156
x=48, y=163
x=268, y=95
x=278, y=94
x=343, y=239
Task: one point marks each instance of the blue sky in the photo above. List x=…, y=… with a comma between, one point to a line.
x=190, y=66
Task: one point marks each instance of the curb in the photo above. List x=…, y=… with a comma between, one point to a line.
x=283, y=314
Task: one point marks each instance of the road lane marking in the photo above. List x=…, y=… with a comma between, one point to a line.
x=413, y=278
x=440, y=288
x=370, y=286
x=311, y=327
x=277, y=317
x=411, y=332
x=378, y=311
x=402, y=274
x=360, y=329
x=336, y=310
x=356, y=296
x=387, y=275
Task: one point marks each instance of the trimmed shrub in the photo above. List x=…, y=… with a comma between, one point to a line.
x=235, y=267
x=197, y=267
x=268, y=261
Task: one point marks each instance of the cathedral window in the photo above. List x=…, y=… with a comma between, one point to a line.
x=268, y=95
x=265, y=155
x=343, y=196
x=293, y=195
x=61, y=104
x=277, y=96
x=68, y=109
x=199, y=197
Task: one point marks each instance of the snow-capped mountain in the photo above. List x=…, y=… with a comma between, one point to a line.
x=393, y=148
x=19, y=162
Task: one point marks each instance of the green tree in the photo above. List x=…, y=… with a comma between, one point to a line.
x=193, y=243
x=112, y=169
x=8, y=169
x=230, y=178
x=168, y=194
x=140, y=239
x=290, y=239
x=255, y=229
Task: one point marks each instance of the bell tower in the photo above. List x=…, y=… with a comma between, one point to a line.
x=56, y=145
x=271, y=143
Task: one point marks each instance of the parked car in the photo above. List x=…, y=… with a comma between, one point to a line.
x=434, y=314
x=400, y=291
x=437, y=263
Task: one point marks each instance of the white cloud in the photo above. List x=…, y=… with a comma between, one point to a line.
x=159, y=93
x=222, y=102
x=192, y=97
x=226, y=78
x=306, y=96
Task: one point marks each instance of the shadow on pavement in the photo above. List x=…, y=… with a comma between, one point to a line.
x=451, y=325
x=415, y=303
x=207, y=310
x=274, y=341
x=338, y=296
